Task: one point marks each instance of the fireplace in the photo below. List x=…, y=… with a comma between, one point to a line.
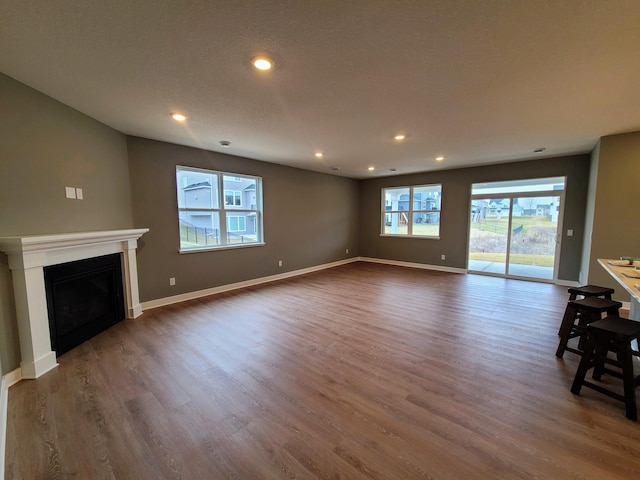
x=29, y=256
x=84, y=298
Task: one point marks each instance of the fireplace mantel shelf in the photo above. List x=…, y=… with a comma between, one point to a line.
x=29, y=255
x=41, y=243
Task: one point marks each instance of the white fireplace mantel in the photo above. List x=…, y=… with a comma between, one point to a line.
x=28, y=255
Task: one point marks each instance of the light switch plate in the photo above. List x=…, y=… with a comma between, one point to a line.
x=70, y=192
x=79, y=194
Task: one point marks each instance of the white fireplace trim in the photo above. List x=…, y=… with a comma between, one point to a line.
x=29, y=255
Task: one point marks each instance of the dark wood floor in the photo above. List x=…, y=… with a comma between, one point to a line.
x=362, y=371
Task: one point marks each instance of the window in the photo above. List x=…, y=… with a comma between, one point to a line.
x=232, y=198
x=212, y=212
x=412, y=211
x=236, y=224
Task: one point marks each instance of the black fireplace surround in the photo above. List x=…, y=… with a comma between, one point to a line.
x=84, y=298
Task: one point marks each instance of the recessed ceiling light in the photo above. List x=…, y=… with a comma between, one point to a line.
x=262, y=63
x=178, y=117
x=319, y=154
x=225, y=143
x=399, y=137
x=439, y=159
x=371, y=169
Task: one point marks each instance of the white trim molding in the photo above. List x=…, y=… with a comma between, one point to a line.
x=424, y=266
x=567, y=283
x=29, y=255
x=281, y=276
x=160, y=302
x=8, y=380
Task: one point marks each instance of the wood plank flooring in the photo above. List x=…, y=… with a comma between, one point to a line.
x=363, y=371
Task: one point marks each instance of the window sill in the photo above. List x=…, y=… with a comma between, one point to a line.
x=421, y=237
x=223, y=247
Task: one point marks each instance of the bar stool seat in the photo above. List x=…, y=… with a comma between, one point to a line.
x=587, y=291
x=611, y=333
x=590, y=291
x=578, y=315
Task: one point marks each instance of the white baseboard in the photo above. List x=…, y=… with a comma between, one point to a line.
x=257, y=281
x=423, y=266
x=234, y=286
x=9, y=379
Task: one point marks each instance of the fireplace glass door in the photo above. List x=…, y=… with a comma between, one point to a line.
x=84, y=298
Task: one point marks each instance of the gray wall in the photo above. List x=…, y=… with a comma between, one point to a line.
x=456, y=195
x=616, y=221
x=45, y=146
x=309, y=219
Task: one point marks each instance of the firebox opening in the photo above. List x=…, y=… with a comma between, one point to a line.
x=84, y=298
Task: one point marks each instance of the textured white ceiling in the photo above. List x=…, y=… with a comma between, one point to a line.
x=479, y=81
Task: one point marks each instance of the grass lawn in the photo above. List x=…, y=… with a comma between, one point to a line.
x=516, y=258
x=500, y=226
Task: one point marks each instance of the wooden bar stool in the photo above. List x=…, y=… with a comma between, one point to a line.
x=578, y=315
x=587, y=291
x=611, y=333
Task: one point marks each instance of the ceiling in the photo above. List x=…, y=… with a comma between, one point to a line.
x=479, y=82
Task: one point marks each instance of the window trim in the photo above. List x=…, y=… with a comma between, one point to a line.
x=410, y=212
x=224, y=210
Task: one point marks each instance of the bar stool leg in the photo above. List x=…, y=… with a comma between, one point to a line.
x=585, y=319
x=601, y=349
x=565, y=329
x=585, y=363
x=628, y=379
x=572, y=296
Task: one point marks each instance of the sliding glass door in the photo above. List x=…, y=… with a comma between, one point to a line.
x=534, y=235
x=514, y=228
x=488, y=235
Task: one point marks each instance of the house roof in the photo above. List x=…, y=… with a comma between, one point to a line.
x=478, y=82
x=197, y=185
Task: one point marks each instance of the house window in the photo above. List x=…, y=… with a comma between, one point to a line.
x=232, y=198
x=236, y=224
x=412, y=211
x=211, y=210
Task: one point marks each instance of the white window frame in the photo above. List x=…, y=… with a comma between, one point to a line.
x=410, y=212
x=223, y=210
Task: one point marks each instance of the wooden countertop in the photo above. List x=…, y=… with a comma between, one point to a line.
x=631, y=285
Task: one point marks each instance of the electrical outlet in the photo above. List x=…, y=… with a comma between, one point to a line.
x=569, y=233
x=347, y=251
x=443, y=257
x=172, y=281
x=279, y=263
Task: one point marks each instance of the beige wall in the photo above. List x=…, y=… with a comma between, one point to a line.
x=456, y=196
x=309, y=219
x=45, y=146
x=616, y=220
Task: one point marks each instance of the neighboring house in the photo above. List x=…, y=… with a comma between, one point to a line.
x=421, y=201
x=526, y=207
x=499, y=207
